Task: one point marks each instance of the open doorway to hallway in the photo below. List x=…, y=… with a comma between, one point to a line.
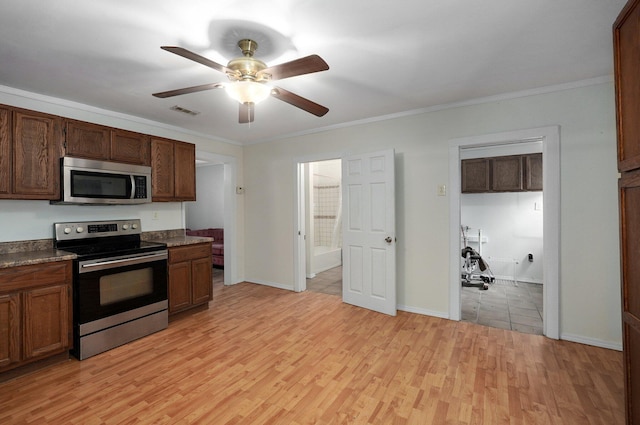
x=323, y=242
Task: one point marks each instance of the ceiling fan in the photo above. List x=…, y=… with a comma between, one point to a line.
x=250, y=77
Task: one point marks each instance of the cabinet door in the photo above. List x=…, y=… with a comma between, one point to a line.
x=86, y=140
x=9, y=329
x=185, y=171
x=36, y=139
x=201, y=280
x=5, y=151
x=162, y=170
x=475, y=175
x=179, y=286
x=533, y=174
x=507, y=174
x=46, y=321
x=626, y=37
x=130, y=147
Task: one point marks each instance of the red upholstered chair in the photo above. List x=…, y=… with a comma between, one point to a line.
x=217, y=246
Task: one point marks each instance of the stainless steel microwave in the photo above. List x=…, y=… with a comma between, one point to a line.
x=93, y=182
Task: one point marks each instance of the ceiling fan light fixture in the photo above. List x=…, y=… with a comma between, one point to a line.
x=248, y=91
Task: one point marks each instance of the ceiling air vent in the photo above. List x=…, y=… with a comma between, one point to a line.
x=184, y=110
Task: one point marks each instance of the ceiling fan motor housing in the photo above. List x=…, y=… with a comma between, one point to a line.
x=246, y=68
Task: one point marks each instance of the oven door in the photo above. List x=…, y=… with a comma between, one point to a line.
x=108, y=286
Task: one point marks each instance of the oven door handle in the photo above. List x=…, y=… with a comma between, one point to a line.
x=121, y=262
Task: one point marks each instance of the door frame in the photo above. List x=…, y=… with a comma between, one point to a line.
x=230, y=163
x=299, y=227
x=550, y=137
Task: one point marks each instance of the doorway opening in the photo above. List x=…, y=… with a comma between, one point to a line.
x=502, y=237
x=323, y=223
x=549, y=137
x=216, y=177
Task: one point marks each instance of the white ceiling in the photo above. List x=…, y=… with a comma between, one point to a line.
x=385, y=58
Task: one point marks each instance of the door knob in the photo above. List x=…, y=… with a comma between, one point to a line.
x=388, y=239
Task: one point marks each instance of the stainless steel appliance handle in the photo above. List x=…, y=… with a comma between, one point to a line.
x=94, y=265
x=133, y=187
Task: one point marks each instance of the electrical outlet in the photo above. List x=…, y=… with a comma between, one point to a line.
x=154, y=215
x=442, y=190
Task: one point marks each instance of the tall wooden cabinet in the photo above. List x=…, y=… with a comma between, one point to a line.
x=626, y=36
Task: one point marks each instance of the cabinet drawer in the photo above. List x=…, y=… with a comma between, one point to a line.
x=18, y=278
x=191, y=252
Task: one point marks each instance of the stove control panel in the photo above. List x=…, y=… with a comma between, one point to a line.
x=96, y=229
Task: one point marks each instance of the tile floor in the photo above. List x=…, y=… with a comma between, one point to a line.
x=217, y=276
x=504, y=305
x=327, y=282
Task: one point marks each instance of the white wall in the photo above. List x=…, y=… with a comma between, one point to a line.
x=512, y=227
x=208, y=209
x=589, y=279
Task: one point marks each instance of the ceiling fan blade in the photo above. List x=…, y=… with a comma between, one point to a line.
x=196, y=58
x=187, y=90
x=246, y=112
x=306, y=65
x=299, y=101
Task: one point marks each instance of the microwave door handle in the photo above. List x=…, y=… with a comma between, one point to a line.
x=133, y=187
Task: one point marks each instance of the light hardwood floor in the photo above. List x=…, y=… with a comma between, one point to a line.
x=261, y=355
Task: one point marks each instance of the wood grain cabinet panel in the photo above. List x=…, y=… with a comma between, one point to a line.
x=476, y=175
x=5, y=151
x=35, y=313
x=9, y=329
x=533, y=172
x=626, y=48
x=86, y=140
x=173, y=174
x=45, y=321
x=36, y=164
x=507, y=174
x=185, y=171
x=130, y=147
x=189, y=276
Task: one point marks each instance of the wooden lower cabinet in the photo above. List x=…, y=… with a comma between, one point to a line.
x=35, y=313
x=189, y=276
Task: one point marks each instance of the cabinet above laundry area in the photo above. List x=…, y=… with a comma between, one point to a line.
x=513, y=173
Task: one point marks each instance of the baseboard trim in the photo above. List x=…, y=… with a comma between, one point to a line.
x=424, y=312
x=591, y=341
x=272, y=284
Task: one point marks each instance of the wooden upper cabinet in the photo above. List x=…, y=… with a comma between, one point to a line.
x=476, y=175
x=626, y=47
x=185, y=171
x=507, y=174
x=130, y=147
x=5, y=151
x=86, y=140
x=533, y=172
x=173, y=173
x=36, y=165
x=94, y=141
x=514, y=173
x=162, y=169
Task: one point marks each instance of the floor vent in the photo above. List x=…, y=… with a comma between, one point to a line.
x=184, y=110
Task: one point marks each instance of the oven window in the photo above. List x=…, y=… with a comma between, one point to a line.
x=126, y=285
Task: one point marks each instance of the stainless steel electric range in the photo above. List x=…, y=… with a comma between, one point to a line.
x=119, y=283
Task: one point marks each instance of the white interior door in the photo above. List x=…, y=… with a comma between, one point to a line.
x=369, y=238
